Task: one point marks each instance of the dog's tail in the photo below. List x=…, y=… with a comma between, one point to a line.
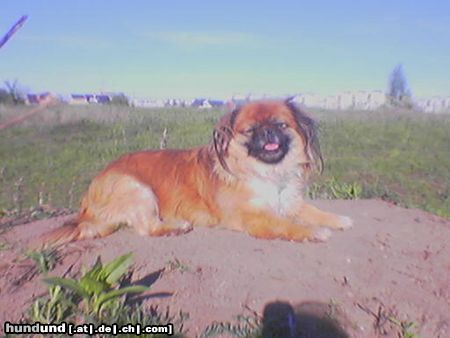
x=82, y=227
x=68, y=232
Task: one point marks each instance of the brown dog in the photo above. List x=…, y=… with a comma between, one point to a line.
x=250, y=178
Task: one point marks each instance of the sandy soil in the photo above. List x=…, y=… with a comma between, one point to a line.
x=394, y=263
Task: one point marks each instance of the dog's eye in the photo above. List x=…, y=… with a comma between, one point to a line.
x=249, y=131
x=282, y=125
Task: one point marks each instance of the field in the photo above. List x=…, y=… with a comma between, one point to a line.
x=384, y=277
x=398, y=156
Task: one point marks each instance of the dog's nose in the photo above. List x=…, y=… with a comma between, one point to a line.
x=270, y=135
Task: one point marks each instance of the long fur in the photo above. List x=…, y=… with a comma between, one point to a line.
x=170, y=191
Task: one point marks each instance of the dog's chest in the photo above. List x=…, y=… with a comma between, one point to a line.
x=280, y=196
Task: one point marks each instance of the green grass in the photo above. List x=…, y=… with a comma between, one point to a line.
x=401, y=157
x=398, y=156
x=98, y=297
x=57, y=161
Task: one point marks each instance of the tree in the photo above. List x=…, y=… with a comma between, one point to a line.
x=5, y=97
x=398, y=90
x=120, y=100
x=15, y=93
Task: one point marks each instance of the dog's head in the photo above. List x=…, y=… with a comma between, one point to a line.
x=268, y=134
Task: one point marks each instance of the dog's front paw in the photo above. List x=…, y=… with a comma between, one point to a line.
x=182, y=227
x=321, y=235
x=344, y=223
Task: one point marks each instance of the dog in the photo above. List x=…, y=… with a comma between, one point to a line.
x=250, y=178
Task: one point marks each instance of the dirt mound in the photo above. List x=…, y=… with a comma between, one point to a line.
x=393, y=265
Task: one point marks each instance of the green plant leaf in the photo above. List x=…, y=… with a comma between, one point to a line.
x=93, y=286
x=119, y=292
x=114, y=270
x=67, y=283
x=95, y=272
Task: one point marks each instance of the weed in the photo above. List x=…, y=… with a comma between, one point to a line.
x=45, y=260
x=384, y=316
x=332, y=189
x=56, y=307
x=406, y=327
x=96, y=288
x=97, y=297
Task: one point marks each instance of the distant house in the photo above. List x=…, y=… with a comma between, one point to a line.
x=36, y=98
x=32, y=99
x=239, y=100
x=216, y=103
x=146, y=103
x=78, y=99
x=298, y=99
x=197, y=103
x=206, y=103
x=176, y=103
x=103, y=98
x=89, y=98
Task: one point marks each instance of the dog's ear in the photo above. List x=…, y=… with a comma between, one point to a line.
x=222, y=135
x=307, y=127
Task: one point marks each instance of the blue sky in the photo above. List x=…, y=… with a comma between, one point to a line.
x=221, y=48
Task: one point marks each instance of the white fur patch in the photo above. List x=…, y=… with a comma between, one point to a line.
x=278, y=187
x=322, y=234
x=280, y=195
x=345, y=222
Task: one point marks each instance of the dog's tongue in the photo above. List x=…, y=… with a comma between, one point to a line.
x=271, y=146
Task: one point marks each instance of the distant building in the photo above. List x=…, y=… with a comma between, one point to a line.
x=309, y=100
x=147, y=103
x=376, y=99
x=364, y=100
x=197, y=103
x=216, y=103
x=78, y=99
x=90, y=98
x=331, y=102
x=36, y=98
x=358, y=100
x=435, y=104
x=102, y=98
x=367, y=100
x=206, y=103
